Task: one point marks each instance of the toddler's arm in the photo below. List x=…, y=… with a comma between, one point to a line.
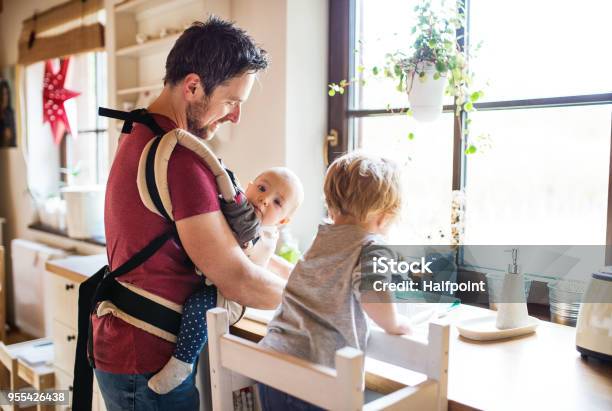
x=378, y=305
x=279, y=266
x=385, y=315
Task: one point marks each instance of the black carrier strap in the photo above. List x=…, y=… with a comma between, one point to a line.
x=104, y=286
x=150, y=178
x=99, y=287
x=140, y=115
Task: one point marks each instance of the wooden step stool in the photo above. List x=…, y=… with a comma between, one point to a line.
x=15, y=373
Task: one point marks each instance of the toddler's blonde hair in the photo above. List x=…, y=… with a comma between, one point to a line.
x=357, y=184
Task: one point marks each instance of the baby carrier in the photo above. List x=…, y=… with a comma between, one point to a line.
x=104, y=293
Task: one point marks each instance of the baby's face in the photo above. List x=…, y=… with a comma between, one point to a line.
x=273, y=197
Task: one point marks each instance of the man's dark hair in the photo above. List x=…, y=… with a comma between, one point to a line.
x=215, y=50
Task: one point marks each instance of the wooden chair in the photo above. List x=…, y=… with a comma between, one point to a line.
x=8, y=373
x=16, y=374
x=236, y=363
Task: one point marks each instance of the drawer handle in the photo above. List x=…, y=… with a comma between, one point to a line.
x=69, y=287
x=71, y=337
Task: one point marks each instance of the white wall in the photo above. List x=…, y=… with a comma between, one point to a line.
x=306, y=110
x=284, y=120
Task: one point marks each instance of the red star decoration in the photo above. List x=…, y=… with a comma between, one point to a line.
x=54, y=96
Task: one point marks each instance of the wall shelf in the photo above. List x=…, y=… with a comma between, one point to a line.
x=141, y=89
x=100, y=241
x=150, y=47
x=140, y=6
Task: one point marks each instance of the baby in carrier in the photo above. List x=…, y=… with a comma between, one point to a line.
x=275, y=195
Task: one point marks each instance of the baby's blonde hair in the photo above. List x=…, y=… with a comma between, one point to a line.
x=357, y=184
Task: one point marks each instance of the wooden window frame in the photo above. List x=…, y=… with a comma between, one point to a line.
x=340, y=114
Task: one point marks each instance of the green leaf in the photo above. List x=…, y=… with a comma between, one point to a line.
x=471, y=149
x=475, y=96
x=341, y=90
x=468, y=106
x=411, y=136
x=331, y=92
x=375, y=70
x=414, y=29
x=400, y=85
x=436, y=76
x=441, y=67
x=360, y=69
x=397, y=70
x=431, y=44
x=409, y=113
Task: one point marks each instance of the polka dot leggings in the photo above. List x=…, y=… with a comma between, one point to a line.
x=193, y=334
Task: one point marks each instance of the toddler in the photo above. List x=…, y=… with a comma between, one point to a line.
x=275, y=194
x=326, y=299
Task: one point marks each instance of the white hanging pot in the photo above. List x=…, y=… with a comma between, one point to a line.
x=425, y=96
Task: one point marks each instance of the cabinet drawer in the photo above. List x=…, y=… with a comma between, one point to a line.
x=63, y=381
x=64, y=296
x=64, y=342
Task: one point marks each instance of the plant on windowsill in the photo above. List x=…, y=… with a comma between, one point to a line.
x=436, y=64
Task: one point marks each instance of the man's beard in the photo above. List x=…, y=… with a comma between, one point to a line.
x=194, y=113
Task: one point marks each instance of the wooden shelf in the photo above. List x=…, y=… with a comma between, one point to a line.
x=150, y=47
x=101, y=241
x=141, y=89
x=139, y=6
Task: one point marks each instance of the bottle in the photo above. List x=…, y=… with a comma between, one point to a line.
x=512, y=311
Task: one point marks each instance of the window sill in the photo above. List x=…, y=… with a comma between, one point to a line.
x=99, y=241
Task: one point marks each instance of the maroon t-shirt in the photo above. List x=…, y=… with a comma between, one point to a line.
x=130, y=226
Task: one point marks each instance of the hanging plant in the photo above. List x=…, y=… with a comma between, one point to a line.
x=435, y=64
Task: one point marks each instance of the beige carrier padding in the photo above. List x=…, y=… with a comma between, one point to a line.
x=226, y=188
x=107, y=307
x=141, y=180
x=162, y=157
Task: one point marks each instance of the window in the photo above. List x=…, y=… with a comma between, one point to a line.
x=81, y=158
x=543, y=174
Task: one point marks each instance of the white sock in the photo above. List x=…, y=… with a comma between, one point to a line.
x=171, y=376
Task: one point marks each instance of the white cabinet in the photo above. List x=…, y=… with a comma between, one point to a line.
x=63, y=298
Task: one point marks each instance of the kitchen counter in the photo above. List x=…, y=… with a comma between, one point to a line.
x=537, y=371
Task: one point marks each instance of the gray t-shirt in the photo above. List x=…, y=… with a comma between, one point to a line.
x=320, y=310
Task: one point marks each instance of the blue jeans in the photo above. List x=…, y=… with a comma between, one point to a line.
x=275, y=400
x=129, y=392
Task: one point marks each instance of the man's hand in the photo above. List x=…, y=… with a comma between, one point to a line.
x=210, y=244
